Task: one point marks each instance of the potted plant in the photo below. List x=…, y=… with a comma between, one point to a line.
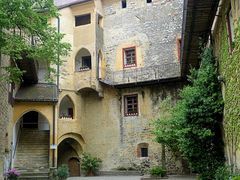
x=90, y=164
x=158, y=171
x=62, y=172
x=12, y=174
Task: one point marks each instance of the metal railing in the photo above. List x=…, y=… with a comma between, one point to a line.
x=144, y=74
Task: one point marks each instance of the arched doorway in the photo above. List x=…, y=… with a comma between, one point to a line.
x=69, y=151
x=31, y=136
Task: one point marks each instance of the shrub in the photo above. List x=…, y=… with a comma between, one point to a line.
x=194, y=125
x=222, y=173
x=90, y=164
x=62, y=172
x=236, y=177
x=158, y=171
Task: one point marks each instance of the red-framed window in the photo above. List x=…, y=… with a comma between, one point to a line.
x=230, y=28
x=131, y=105
x=129, y=57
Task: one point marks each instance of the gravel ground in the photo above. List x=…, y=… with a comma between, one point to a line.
x=128, y=178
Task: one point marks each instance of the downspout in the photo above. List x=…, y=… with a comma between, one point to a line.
x=58, y=56
x=57, y=93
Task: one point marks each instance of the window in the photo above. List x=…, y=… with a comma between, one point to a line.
x=149, y=1
x=100, y=21
x=179, y=48
x=129, y=57
x=82, y=20
x=86, y=62
x=124, y=3
x=230, y=29
x=83, y=60
x=131, y=105
x=66, y=108
x=142, y=150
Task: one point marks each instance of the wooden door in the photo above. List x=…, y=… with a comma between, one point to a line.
x=74, y=167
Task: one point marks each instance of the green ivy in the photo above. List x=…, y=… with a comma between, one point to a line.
x=229, y=66
x=194, y=124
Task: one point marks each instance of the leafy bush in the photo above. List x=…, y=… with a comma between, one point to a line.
x=193, y=125
x=62, y=172
x=158, y=171
x=90, y=164
x=236, y=177
x=223, y=173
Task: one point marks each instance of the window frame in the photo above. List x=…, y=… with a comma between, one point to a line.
x=124, y=60
x=81, y=15
x=126, y=113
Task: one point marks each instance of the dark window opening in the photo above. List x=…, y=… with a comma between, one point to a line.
x=124, y=3
x=149, y=1
x=86, y=62
x=129, y=56
x=82, y=20
x=144, y=152
x=70, y=112
x=131, y=105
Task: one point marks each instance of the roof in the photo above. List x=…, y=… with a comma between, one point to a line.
x=37, y=93
x=198, y=16
x=66, y=3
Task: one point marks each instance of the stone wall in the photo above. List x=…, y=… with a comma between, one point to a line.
x=5, y=115
x=229, y=69
x=153, y=28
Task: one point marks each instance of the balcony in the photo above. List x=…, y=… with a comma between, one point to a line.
x=145, y=75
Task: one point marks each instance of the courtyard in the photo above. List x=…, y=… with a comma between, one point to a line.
x=173, y=177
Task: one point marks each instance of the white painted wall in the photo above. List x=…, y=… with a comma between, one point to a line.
x=42, y=123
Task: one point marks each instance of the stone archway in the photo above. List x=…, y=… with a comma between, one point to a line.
x=31, y=139
x=69, y=151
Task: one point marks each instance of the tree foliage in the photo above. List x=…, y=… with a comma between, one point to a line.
x=194, y=124
x=25, y=30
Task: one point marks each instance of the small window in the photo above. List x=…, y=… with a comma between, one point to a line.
x=129, y=57
x=179, y=48
x=131, y=105
x=230, y=29
x=149, y=1
x=100, y=21
x=144, y=152
x=86, y=62
x=82, y=20
x=124, y=3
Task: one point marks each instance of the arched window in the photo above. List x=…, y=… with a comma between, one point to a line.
x=66, y=108
x=83, y=60
x=142, y=150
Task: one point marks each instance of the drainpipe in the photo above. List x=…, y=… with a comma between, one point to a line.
x=58, y=56
x=57, y=93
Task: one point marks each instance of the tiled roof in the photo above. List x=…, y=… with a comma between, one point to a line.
x=66, y=3
x=37, y=93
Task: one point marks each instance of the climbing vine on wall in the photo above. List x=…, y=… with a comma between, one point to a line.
x=229, y=64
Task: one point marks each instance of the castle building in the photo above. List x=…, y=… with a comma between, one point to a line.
x=125, y=60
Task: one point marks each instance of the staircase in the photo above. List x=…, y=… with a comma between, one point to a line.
x=32, y=154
